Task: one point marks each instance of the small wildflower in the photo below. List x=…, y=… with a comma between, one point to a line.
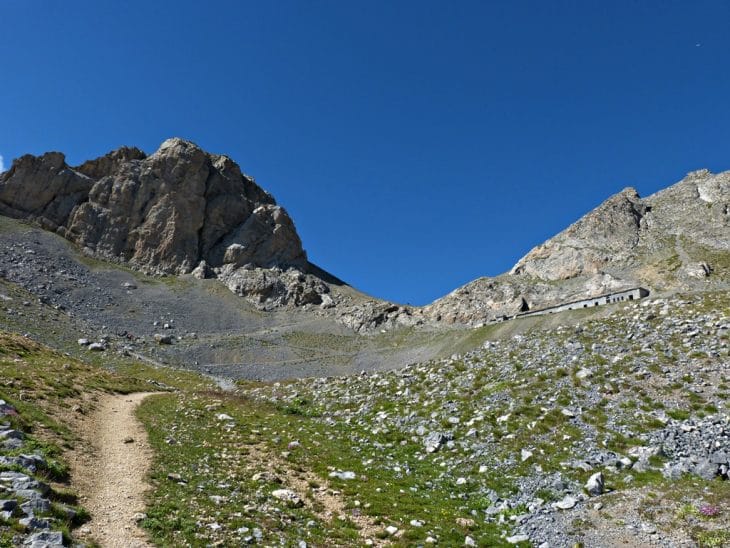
x=708, y=510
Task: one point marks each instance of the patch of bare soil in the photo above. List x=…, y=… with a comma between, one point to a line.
x=629, y=519
x=324, y=501
x=110, y=471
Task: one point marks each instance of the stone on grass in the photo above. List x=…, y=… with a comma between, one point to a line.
x=566, y=503
x=289, y=497
x=595, y=484
x=434, y=441
x=267, y=477
x=45, y=539
x=343, y=475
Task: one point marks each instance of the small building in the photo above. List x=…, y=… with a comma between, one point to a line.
x=633, y=294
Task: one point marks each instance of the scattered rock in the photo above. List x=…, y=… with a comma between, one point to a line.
x=566, y=503
x=595, y=484
x=163, y=338
x=343, y=475
x=289, y=497
x=434, y=441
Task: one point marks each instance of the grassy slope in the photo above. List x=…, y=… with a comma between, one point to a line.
x=347, y=426
x=303, y=429
x=316, y=427
x=47, y=388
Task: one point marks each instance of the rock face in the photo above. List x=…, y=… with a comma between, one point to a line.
x=162, y=213
x=274, y=287
x=42, y=188
x=177, y=210
x=678, y=238
x=625, y=230
x=609, y=232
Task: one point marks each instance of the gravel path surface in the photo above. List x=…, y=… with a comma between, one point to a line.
x=112, y=477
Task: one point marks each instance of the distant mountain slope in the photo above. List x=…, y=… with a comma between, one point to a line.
x=618, y=235
x=676, y=238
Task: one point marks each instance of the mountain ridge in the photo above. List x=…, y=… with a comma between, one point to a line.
x=676, y=238
x=182, y=211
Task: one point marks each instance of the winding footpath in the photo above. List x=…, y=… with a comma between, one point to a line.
x=112, y=476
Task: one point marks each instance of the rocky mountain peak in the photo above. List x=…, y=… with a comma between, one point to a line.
x=610, y=230
x=166, y=212
x=676, y=238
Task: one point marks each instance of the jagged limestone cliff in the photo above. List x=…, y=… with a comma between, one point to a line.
x=164, y=213
x=177, y=211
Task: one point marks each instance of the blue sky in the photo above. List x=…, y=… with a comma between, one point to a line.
x=417, y=145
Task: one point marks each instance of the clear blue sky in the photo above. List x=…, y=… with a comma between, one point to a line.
x=417, y=145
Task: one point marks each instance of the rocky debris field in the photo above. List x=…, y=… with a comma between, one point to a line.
x=109, y=300
x=27, y=502
x=541, y=437
x=57, y=295
x=60, y=297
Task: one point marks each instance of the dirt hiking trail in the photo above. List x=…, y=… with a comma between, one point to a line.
x=111, y=473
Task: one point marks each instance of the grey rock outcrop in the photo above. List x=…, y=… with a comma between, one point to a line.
x=177, y=211
x=273, y=287
x=43, y=189
x=608, y=232
x=630, y=237
x=162, y=213
x=25, y=496
x=669, y=240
